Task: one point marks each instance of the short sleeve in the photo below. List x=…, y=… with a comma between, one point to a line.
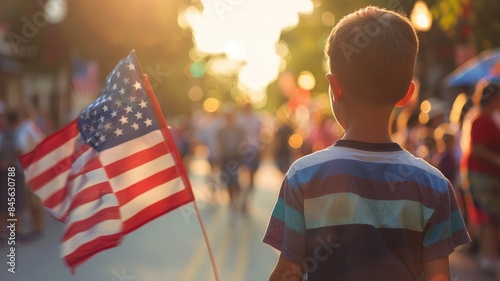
x=445, y=229
x=286, y=231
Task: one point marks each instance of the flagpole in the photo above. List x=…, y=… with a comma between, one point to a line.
x=207, y=242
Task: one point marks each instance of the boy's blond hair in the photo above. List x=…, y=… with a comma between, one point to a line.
x=373, y=52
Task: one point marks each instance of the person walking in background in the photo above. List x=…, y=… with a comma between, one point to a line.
x=29, y=135
x=365, y=208
x=206, y=133
x=10, y=168
x=483, y=166
x=229, y=138
x=282, y=147
x=251, y=124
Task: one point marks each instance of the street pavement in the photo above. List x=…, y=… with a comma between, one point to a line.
x=172, y=247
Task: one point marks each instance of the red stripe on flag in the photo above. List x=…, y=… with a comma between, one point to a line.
x=51, y=143
x=127, y=194
x=137, y=159
x=57, y=169
x=87, y=250
x=90, y=166
x=56, y=198
x=89, y=194
x=111, y=213
x=157, y=209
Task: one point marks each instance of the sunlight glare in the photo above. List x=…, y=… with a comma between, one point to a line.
x=246, y=31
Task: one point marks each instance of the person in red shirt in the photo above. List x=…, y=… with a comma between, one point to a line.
x=483, y=164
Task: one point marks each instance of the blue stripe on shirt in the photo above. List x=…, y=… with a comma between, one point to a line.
x=371, y=171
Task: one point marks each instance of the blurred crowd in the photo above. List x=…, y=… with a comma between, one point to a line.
x=21, y=129
x=461, y=139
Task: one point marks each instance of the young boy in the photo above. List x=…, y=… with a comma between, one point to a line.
x=364, y=208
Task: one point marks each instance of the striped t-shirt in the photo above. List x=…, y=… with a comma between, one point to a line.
x=364, y=211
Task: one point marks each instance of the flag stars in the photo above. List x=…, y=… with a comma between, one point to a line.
x=102, y=138
x=115, y=86
x=101, y=119
x=118, y=74
x=137, y=85
x=114, y=113
x=138, y=115
x=132, y=99
x=131, y=66
x=135, y=126
x=126, y=80
x=128, y=109
x=118, y=132
x=124, y=120
x=143, y=104
x=107, y=126
x=122, y=91
x=148, y=122
x=118, y=103
x=105, y=108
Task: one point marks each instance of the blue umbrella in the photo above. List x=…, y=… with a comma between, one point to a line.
x=485, y=65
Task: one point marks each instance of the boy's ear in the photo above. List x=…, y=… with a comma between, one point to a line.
x=334, y=86
x=402, y=102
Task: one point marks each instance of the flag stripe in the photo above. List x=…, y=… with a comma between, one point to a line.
x=117, y=153
x=104, y=228
x=135, y=175
x=85, y=251
x=111, y=213
x=89, y=194
x=56, y=198
x=143, y=200
x=85, y=211
x=92, y=165
x=157, y=209
x=64, y=165
x=84, y=181
x=126, y=195
x=141, y=157
x=51, y=150
x=45, y=191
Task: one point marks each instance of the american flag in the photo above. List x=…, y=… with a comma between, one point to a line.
x=84, y=78
x=112, y=169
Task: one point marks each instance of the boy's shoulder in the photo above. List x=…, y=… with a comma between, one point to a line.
x=337, y=159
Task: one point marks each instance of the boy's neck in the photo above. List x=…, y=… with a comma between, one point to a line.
x=368, y=126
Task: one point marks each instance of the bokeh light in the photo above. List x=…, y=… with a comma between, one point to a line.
x=328, y=18
x=195, y=93
x=425, y=106
x=197, y=69
x=306, y=80
x=295, y=141
x=421, y=17
x=55, y=10
x=456, y=109
x=423, y=118
x=211, y=105
x=282, y=49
